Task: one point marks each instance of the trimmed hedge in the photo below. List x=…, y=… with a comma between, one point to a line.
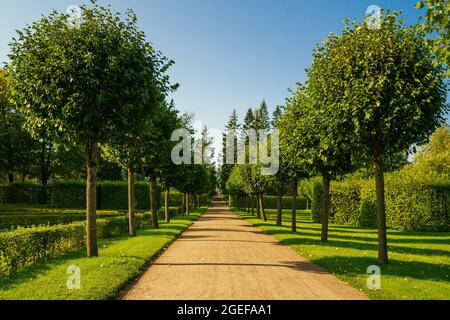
x=110, y=195
x=72, y=194
x=29, y=220
x=69, y=194
x=13, y=220
x=114, y=195
x=24, y=193
x=173, y=211
x=413, y=203
x=25, y=246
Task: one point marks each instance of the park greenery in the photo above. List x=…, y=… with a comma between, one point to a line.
x=371, y=96
x=97, y=95
x=86, y=170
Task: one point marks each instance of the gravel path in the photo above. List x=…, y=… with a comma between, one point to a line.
x=223, y=257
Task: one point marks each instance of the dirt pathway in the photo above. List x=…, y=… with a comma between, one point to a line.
x=223, y=257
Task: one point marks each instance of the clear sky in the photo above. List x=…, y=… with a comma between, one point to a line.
x=229, y=54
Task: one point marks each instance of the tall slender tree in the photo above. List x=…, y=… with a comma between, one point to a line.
x=231, y=129
x=262, y=120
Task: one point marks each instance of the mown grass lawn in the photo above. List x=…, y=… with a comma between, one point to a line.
x=419, y=265
x=120, y=261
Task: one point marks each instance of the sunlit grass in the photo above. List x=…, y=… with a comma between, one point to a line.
x=120, y=260
x=419, y=265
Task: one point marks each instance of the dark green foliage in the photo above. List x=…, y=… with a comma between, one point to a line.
x=261, y=117
x=24, y=193
x=111, y=195
x=69, y=194
x=29, y=220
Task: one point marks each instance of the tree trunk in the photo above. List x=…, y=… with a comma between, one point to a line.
x=253, y=205
x=155, y=223
x=258, y=208
x=187, y=203
x=381, y=212
x=45, y=164
x=91, y=153
x=279, y=210
x=183, y=206
x=294, y=206
x=43, y=179
x=10, y=177
x=166, y=205
x=263, y=209
x=131, y=202
x=325, y=208
x=248, y=203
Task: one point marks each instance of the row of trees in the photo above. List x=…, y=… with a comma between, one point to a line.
x=371, y=95
x=102, y=88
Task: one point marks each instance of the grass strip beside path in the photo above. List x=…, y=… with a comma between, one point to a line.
x=120, y=261
x=419, y=265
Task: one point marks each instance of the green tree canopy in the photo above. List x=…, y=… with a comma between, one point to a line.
x=87, y=84
x=383, y=91
x=436, y=24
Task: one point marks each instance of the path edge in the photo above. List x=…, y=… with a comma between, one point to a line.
x=123, y=290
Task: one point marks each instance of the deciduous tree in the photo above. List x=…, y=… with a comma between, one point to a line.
x=87, y=83
x=385, y=89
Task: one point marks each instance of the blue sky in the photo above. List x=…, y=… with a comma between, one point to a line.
x=230, y=54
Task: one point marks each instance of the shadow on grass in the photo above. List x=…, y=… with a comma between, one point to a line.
x=352, y=266
x=352, y=240
x=32, y=272
x=42, y=267
x=332, y=242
